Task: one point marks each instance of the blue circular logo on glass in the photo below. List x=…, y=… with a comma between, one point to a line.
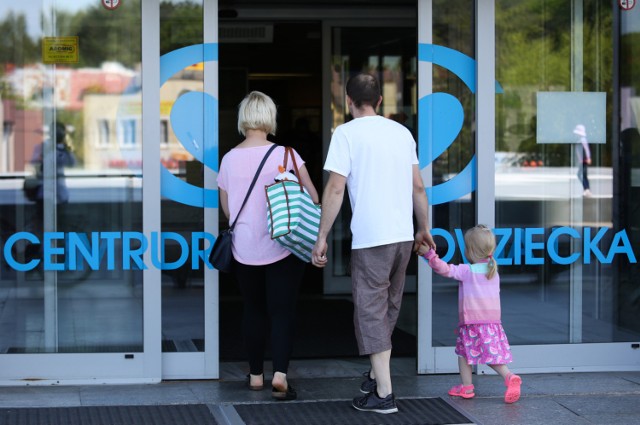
x=194, y=119
x=440, y=121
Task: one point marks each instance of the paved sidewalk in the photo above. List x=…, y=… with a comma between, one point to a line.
x=558, y=398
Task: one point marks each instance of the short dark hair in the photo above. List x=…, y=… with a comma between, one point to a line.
x=363, y=89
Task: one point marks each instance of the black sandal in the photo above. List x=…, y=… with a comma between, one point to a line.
x=288, y=394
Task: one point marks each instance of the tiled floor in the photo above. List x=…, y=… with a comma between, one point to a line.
x=547, y=399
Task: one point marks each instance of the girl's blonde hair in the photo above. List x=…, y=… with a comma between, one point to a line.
x=257, y=112
x=480, y=244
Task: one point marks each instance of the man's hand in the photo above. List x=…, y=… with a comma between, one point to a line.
x=331, y=203
x=423, y=237
x=319, y=253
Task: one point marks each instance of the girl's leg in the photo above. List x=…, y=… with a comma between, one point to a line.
x=254, y=316
x=502, y=370
x=283, y=280
x=511, y=381
x=466, y=372
x=464, y=390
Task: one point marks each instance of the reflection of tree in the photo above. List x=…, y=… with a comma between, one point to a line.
x=16, y=47
x=104, y=35
x=180, y=25
x=534, y=54
x=630, y=58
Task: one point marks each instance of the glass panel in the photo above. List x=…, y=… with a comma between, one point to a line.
x=556, y=164
x=388, y=53
x=452, y=28
x=70, y=275
x=182, y=286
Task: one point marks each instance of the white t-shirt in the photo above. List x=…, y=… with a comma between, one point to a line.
x=376, y=155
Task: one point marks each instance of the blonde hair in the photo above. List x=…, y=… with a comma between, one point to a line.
x=257, y=112
x=480, y=244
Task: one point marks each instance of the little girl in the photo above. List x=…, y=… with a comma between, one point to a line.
x=481, y=338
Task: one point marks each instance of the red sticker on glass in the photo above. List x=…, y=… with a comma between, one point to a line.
x=626, y=4
x=110, y=4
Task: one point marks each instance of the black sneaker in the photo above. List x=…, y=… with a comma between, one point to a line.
x=372, y=403
x=369, y=384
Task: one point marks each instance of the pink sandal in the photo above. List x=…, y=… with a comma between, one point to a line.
x=462, y=391
x=512, y=383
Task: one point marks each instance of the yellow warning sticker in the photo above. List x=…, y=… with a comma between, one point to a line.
x=60, y=50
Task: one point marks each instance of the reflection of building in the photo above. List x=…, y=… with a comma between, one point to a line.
x=23, y=122
x=113, y=128
x=111, y=135
x=70, y=84
x=21, y=132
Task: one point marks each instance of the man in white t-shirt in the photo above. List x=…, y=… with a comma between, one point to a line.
x=375, y=158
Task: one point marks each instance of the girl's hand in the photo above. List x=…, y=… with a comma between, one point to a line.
x=430, y=254
x=423, y=249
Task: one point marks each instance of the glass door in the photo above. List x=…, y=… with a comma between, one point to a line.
x=386, y=50
x=559, y=184
x=106, y=218
x=447, y=154
x=71, y=277
x=558, y=131
x=188, y=152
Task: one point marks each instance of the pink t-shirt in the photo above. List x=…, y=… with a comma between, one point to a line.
x=252, y=243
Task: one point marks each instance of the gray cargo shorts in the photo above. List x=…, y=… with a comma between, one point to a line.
x=377, y=284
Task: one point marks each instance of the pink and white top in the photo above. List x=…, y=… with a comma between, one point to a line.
x=252, y=243
x=478, y=297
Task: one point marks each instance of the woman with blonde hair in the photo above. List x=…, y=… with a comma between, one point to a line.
x=481, y=338
x=268, y=275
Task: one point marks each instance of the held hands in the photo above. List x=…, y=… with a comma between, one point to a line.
x=430, y=254
x=423, y=241
x=435, y=262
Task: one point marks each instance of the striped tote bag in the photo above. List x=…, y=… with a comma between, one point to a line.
x=292, y=217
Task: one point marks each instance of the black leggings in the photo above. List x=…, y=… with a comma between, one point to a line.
x=270, y=294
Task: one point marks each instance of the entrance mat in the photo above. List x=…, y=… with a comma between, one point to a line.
x=192, y=414
x=418, y=411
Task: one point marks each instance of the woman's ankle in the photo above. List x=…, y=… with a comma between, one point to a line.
x=279, y=380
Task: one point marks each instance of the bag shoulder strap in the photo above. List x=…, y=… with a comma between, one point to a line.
x=288, y=152
x=253, y=183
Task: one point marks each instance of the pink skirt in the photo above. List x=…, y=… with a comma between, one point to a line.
x=483, y=344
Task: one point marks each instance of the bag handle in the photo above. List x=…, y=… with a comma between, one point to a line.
x=288, y=151
x=253, y=183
